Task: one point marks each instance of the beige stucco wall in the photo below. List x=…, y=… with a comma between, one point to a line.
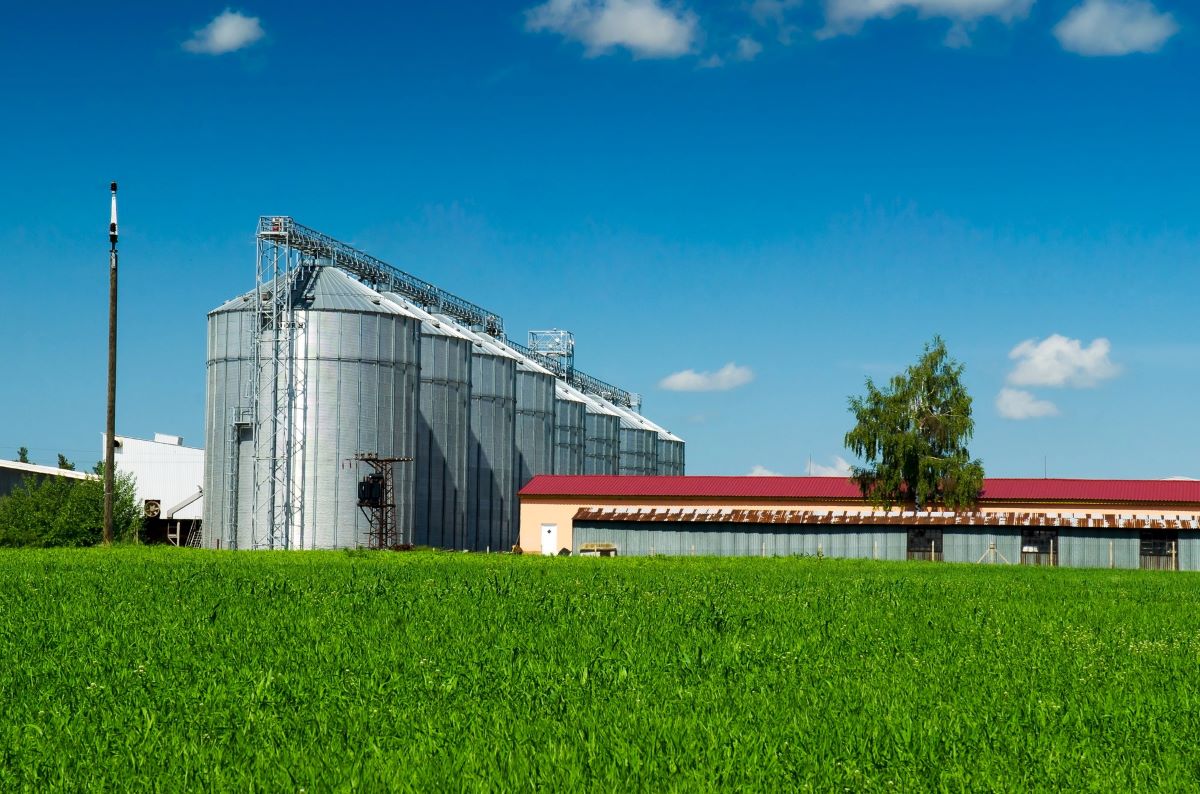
x=560, y=511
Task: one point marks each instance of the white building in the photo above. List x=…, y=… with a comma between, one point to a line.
x=168, y=477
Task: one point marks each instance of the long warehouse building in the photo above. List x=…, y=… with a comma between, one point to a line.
x=358, y=370
x=1077, y=523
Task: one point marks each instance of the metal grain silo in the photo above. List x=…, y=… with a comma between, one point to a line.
x=534, y=431
x=535, y=422
x=443, y=431
x=670, y=449
x=491, y=458
x=638, y=444
x=602, y=429
x=671, y=455
x=570, y=429
x=229, y=453
x=355, y=360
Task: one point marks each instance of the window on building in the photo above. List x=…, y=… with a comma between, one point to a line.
x=1160, y=551
x=924, y=544
x=1039, y=547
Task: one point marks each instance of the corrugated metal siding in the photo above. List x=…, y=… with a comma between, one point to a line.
x=1088, y=548
x=670, y=457
x=443, y=433
x=970, y=544
x=1189, y=550
x=362, y=380
x=601, y=443
x=732, y=540
x=490, y=468
x=570, y=436
x=535, y=430
x=637, y=452
x=227, y=388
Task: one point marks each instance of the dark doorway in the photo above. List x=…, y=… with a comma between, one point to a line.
x=1160, y=551
x=925, y=544
x=1039, y=547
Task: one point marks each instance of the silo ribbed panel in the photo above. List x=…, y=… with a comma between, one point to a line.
x=670, y=456
x=362, y=376
x=229, y=452
x=490, y=464
x=638, y=452
x=443, y=438
x=570, y=432
x=601, y=442
x=535, y=427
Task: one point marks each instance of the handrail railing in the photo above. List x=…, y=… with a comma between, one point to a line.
x=379, y=274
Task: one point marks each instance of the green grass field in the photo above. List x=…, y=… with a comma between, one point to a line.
x=165, y=669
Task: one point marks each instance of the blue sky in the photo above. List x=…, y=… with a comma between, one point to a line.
x=807, y=191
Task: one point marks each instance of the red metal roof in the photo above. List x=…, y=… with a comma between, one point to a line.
x=808, y=488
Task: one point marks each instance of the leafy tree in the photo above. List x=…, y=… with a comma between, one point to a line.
x=62, y=511
x=63, y=463
x=912, y=435
x=23, y=455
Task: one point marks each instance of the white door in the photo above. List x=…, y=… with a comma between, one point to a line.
x=550, y=539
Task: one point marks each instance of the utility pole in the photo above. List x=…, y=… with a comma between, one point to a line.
x=110, y=425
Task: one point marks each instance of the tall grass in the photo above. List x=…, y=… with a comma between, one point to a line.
x=144, y=669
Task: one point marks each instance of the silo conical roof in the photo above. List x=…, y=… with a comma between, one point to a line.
x=330, y=289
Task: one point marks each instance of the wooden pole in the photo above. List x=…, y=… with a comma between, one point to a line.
x=110, y=419
x=1110, y=555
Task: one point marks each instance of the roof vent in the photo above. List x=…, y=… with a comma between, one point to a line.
x=163, y=438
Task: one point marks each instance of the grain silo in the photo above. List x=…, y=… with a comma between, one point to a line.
x=669, y=448
x=443, y=431
x=491, y=448
x=602, y=431
x=570, y=429
x=352, y=361
x=228, y=423
x=303, y=378
x=638, y=446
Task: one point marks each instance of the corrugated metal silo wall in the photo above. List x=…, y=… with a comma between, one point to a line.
x=443, y=436
x=570, y=436
x=638, y=452
x=601, y=442
x=670, y=457
x=490, y=464
x=361, y=373
x=535, y=430
x=229, y=456
x=740, y=540
x=971, y=544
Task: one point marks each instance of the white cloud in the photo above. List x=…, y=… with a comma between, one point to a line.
x=647, y=28
x=1020, y=404
x=1114, y=27
x=727, y=377
x=229, y=31
x=847, y=16
x=840, y=468
x=1059, y=361
x=748, y=48
x=762, y=471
